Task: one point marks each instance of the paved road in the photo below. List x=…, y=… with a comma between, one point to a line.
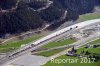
x=27, y=60
x=51, y=37
x=78, y=43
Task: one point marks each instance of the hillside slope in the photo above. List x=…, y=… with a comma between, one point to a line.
x=18, y=16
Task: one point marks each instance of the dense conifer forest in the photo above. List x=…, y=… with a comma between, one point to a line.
x=26, y=16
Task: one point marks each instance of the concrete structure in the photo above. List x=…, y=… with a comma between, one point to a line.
x=79, y=25
x=24, y=50
x=57, y=33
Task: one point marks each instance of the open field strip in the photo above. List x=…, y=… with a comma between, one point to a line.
x=17, y=44
x=57, y=44
x=89, y=16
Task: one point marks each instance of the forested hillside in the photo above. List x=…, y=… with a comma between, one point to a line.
x=32, y=14
x=7, y=4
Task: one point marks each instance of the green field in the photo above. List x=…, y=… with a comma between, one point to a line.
x=91, y=49
x=51, y=52
x=60, y=43
x=95, y=50
x=71, y=64
x=15, y=45
x=95, y=42
x=55, y=44
x=89, y=16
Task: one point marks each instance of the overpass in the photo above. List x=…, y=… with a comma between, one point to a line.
x=28, y=47
x=57, y=33
x=76, y=26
